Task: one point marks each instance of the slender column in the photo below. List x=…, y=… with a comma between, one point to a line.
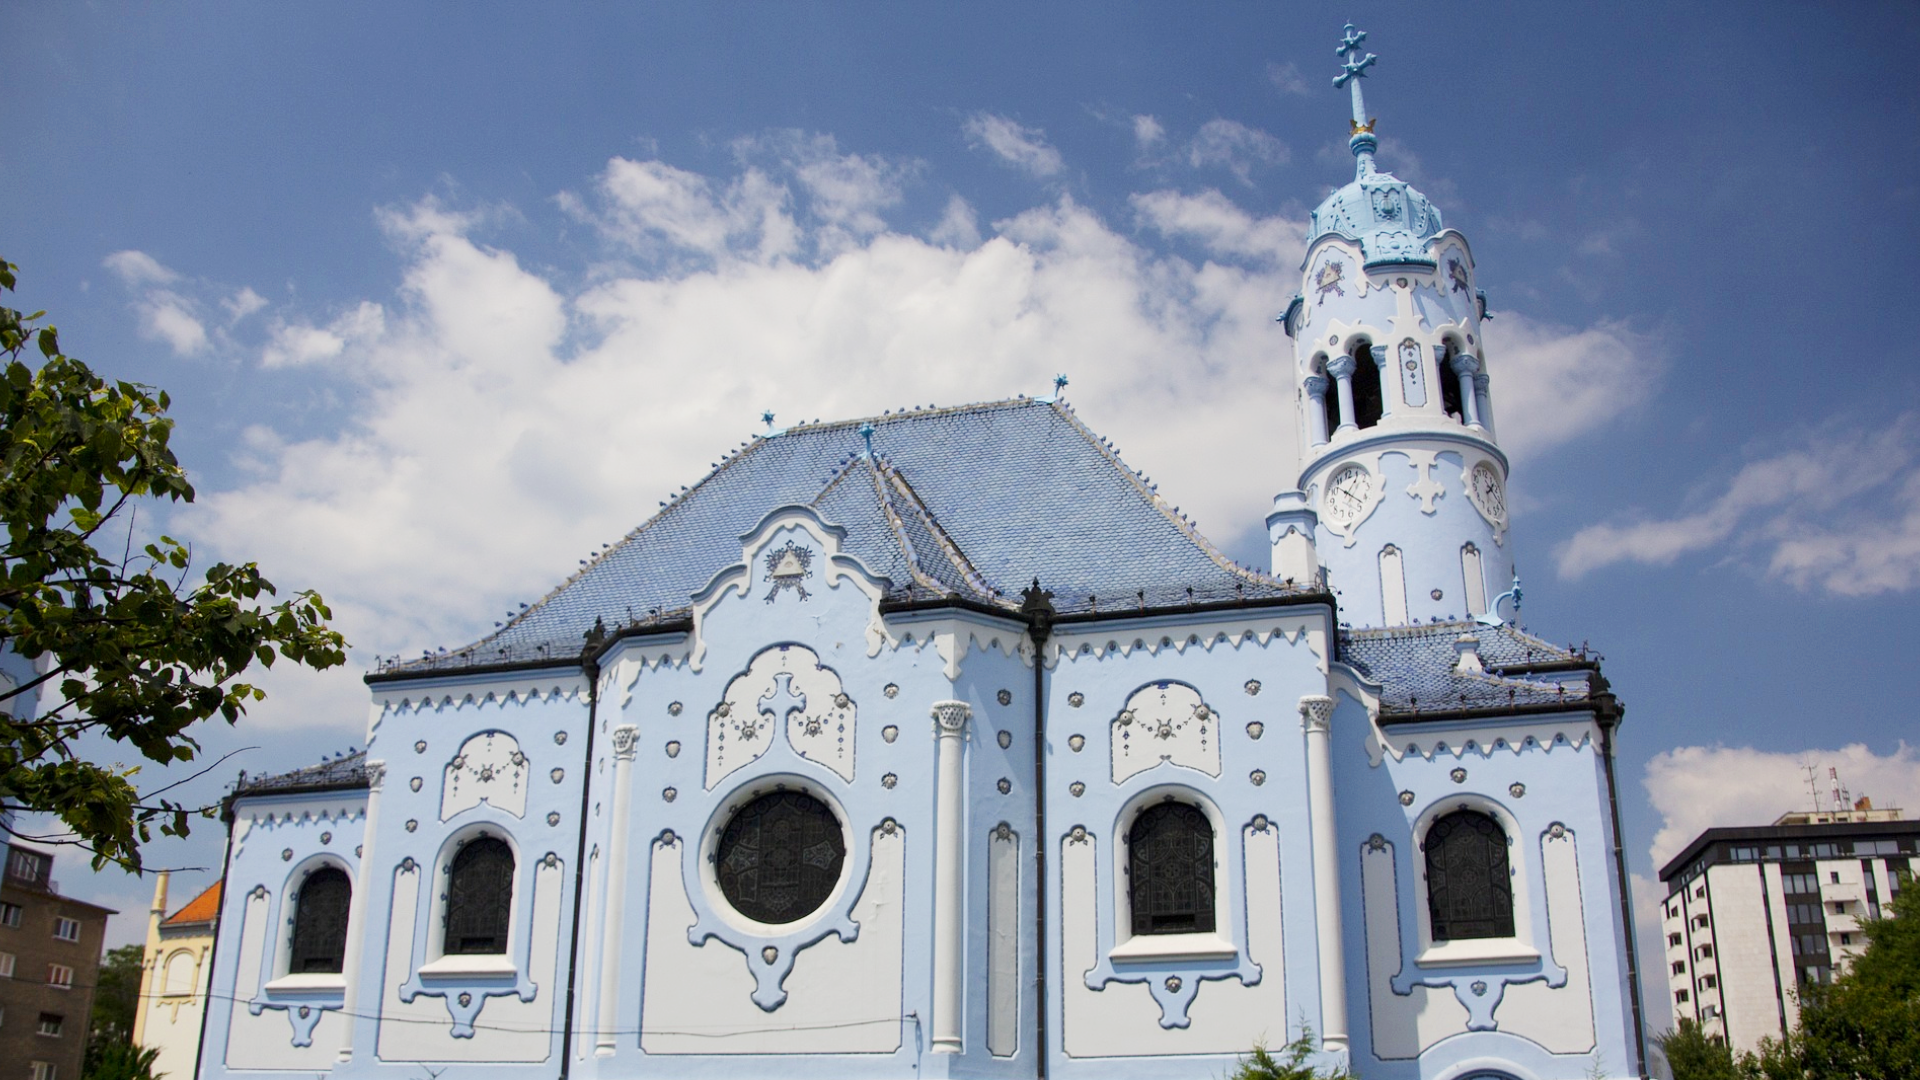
x=1341, y=368
x=1316, y=386
x=1316, y=710
x=357, y=907
x=626, y=740
x=1483, y=399
x=150, y=970
x=1465, y=367
x=949, y=886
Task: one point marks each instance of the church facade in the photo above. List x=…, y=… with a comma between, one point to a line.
x=939, y=744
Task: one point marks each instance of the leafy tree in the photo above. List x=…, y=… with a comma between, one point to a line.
x=1293, y=1065
x=120, y=1061
x=116, y=997
x=1692, y=1054
x=1867, y=1021
x=128, y=647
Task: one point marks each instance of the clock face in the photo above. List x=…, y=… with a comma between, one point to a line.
x=1486, y=491
x=1347, y=494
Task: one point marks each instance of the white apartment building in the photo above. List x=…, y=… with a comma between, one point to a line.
x=1753, y=913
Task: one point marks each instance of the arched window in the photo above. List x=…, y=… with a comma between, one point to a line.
x=320, y=923
x=780, y=857
x=480, y=897
x=1368, y=405
x=1469, y=887
x=1450, y=385
x=177, y=976
x=1170, y=870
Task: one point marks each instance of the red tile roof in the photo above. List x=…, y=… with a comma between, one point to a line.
x=204, y=908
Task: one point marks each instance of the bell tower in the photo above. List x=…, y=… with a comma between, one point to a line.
x=1401, y=497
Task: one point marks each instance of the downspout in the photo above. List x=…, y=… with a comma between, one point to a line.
x=1607, y=711
x=213, y=954
x=1037, y=605
x=590, y=665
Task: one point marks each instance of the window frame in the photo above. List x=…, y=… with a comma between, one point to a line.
x=285, y=979
x=442, y=964
x=1218, y=944
x=61, y=922
x=743, y=793
x=10, y=915
x=1522, y=945
x=54, y=981
x=58, y=1022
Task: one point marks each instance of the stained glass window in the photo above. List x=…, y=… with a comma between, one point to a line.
x=779, y=858
x=1469, y=886
x=320, y=923
x=1170, y=864
x=480, y=897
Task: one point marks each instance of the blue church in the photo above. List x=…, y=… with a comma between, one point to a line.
x=937, y=744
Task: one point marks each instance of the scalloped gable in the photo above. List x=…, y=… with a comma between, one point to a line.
x=974, y=501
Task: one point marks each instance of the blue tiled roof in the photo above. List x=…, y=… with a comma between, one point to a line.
x=345, y=771
x=971, y=502
x=1417, y=666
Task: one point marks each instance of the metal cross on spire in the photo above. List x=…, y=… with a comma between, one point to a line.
x=1354, y=64
x=866, y=433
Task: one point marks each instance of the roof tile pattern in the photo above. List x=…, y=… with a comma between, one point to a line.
x=972, y=502
x=204, y=908
x=344, y=771
x=1418, y=668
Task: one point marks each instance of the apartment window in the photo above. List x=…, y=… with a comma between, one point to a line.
x=50, y=1024
x=1673, y=939
x=43, y=1070
x=29, y=866
x=60, y=976
x=1834, y=875
x=1705, y=952
x=1700, y=893
x=1681, y=996
x=1708, y=982
x=1800, y=883
x=6, y=965
x=66, y=929
x=1700, y=920
x=1679, y=967
x=1839, y=907
x=1846, y=939
x=10, y=915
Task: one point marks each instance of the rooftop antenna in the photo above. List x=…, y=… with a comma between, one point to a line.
x=866, y=433
x=1354, y=64
x=1842, y=798
x=1813, y=785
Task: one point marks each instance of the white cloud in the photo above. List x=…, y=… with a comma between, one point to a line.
x=1023, y=147
x=1224, y=228
x=1553, y=384
x=1235, y=147
x=1840, y=514
x=1287, y=78
x=242, y=304
x=515, y=418
x=1695, y=788
x=168, y=317
x=1147, y=132
x=137, y=269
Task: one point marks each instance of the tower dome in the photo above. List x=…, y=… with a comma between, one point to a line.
x=1402, y=489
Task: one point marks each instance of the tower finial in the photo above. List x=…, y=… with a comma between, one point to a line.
x=1354, y=64
x=866, y=432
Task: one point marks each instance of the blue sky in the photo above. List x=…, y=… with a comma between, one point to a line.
x=447, y=296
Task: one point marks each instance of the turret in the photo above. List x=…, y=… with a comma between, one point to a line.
x=1402, y=474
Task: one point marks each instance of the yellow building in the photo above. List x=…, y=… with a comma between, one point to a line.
x=173, y=982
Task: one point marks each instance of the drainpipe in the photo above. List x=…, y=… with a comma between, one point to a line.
x=1037, y=605
x=590, y=666
x=213, y=954
x=1607, y=712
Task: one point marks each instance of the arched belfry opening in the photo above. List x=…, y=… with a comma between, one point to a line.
x=1450, y=385
x=1368, y=404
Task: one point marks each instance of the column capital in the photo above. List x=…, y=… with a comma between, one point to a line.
x=376, y=774
x=626, y=741
x=1316, y=385
x=1464, y=364
x=952, y=717
x=1316, y=710
x=1481, y=382
x=1342, y=367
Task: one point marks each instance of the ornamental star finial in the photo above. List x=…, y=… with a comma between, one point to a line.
x=866, y=432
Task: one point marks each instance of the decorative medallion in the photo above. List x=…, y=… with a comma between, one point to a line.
x=1077, y=788
x=466, y=999
x=1376, y=843
x=1005, y=697
x=488, y=769
x=888, y=826
x=420, y=747
x=668, y=839
x=888, y=781
x=1256, y=729
x=1173, y=984
x=286, y=855
x=1328, y=279
x=1479, y=988
x=1005, y=785
x=891, y=731
x=558, y=775
x=326, y=838
x=673, y=748
x=1557, y=830
x=1076, y=699
x=1253, y=687
x=769, y=954
x=674, y=708
x=1005, y=739
x=1459, y=776
x=416, y=783
x=1400, y=283
x=1077, y=742
x=553, y=817
x=356, y=851
x=1258, y=776
x=413, y=824
x=1003, y=832
x=1406, y=798
x=669, y=794
x=891, y=689
x=559, y=738
x=1436, y=594
x=1517, y=790
x=1164, y=722
x=1078, y=835
x=788, y=567
x=1260, y=823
